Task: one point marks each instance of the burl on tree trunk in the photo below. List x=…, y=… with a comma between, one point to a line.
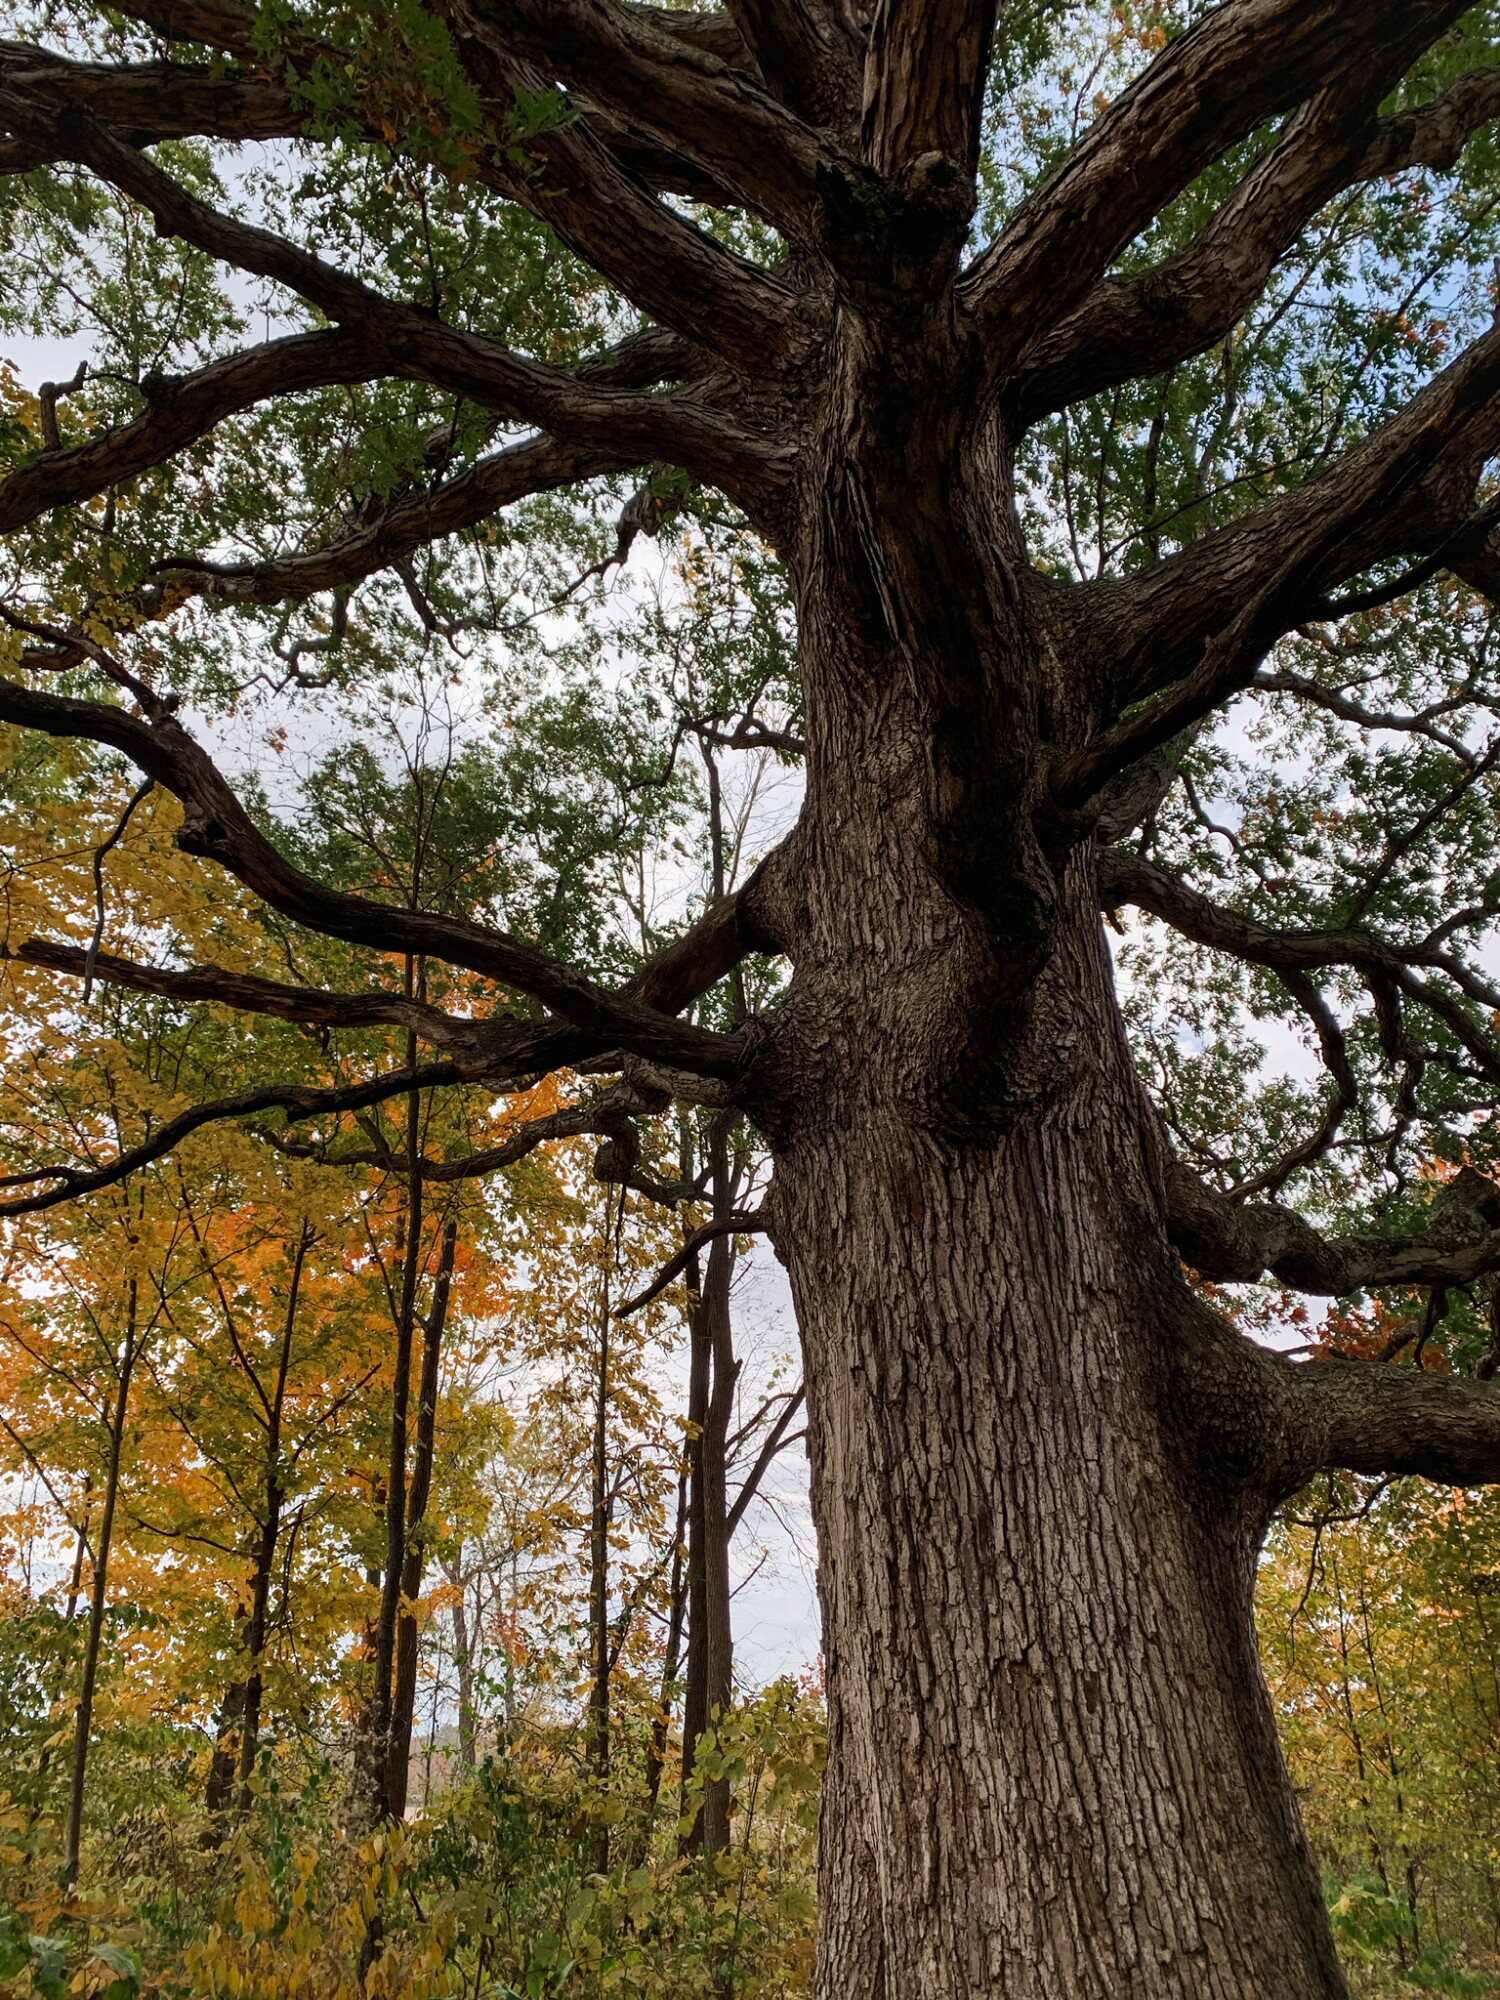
x=1041, y=1464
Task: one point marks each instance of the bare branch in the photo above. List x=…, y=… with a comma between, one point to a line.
x=776, y=1440
x=739, y=1224
x=297, y=1100
x=213, y=984
x=1131, y=878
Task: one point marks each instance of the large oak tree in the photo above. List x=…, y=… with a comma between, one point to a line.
x=1042, y=1461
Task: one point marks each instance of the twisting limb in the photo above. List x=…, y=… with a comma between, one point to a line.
x=540, y=465
x=1234, y=1243
x=297, y=1100
x=1334, y=703
x=1128, y=327
x=416, y=344
x=602, y=1115
x=1131, y=878
x=216, y=985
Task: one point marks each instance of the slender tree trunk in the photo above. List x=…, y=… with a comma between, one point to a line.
x=98, y=1598
x=273, y=1500
x=599, y=1515
x=661, y=1727
x=404, y=1700
x=378, y=1799
x=463, y=1667
x=224, y=1763
x=714, y=1371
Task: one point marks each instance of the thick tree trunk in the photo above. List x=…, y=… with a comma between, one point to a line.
x=1039, y=1473
x=1053, y=1769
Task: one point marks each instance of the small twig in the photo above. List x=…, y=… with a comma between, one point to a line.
x=91, y=956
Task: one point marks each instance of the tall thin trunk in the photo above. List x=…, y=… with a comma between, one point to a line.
x=84, y=1719
x=463, y=1668
x=599, y=1516
x=404, y=1699
x=273, y=1500
x=378, y=1782
x=656, y=1748
x=714, y=1372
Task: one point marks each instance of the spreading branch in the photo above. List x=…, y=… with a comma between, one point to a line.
x=416, y=343
x=216, y=825
x=1142, y=325
x=1239, y=65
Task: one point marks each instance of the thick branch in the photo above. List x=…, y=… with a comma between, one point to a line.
x=155, y=101
x=1407, y=488
x=215, y=824
x=1235, y=1243
x=658, y=259
x=180, y=411
x=924, y=81
x=1241, y=64
x=805, y=56
x=1365, y=1416
x=539, y=466
x=1129, y=327
x=679, y=97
